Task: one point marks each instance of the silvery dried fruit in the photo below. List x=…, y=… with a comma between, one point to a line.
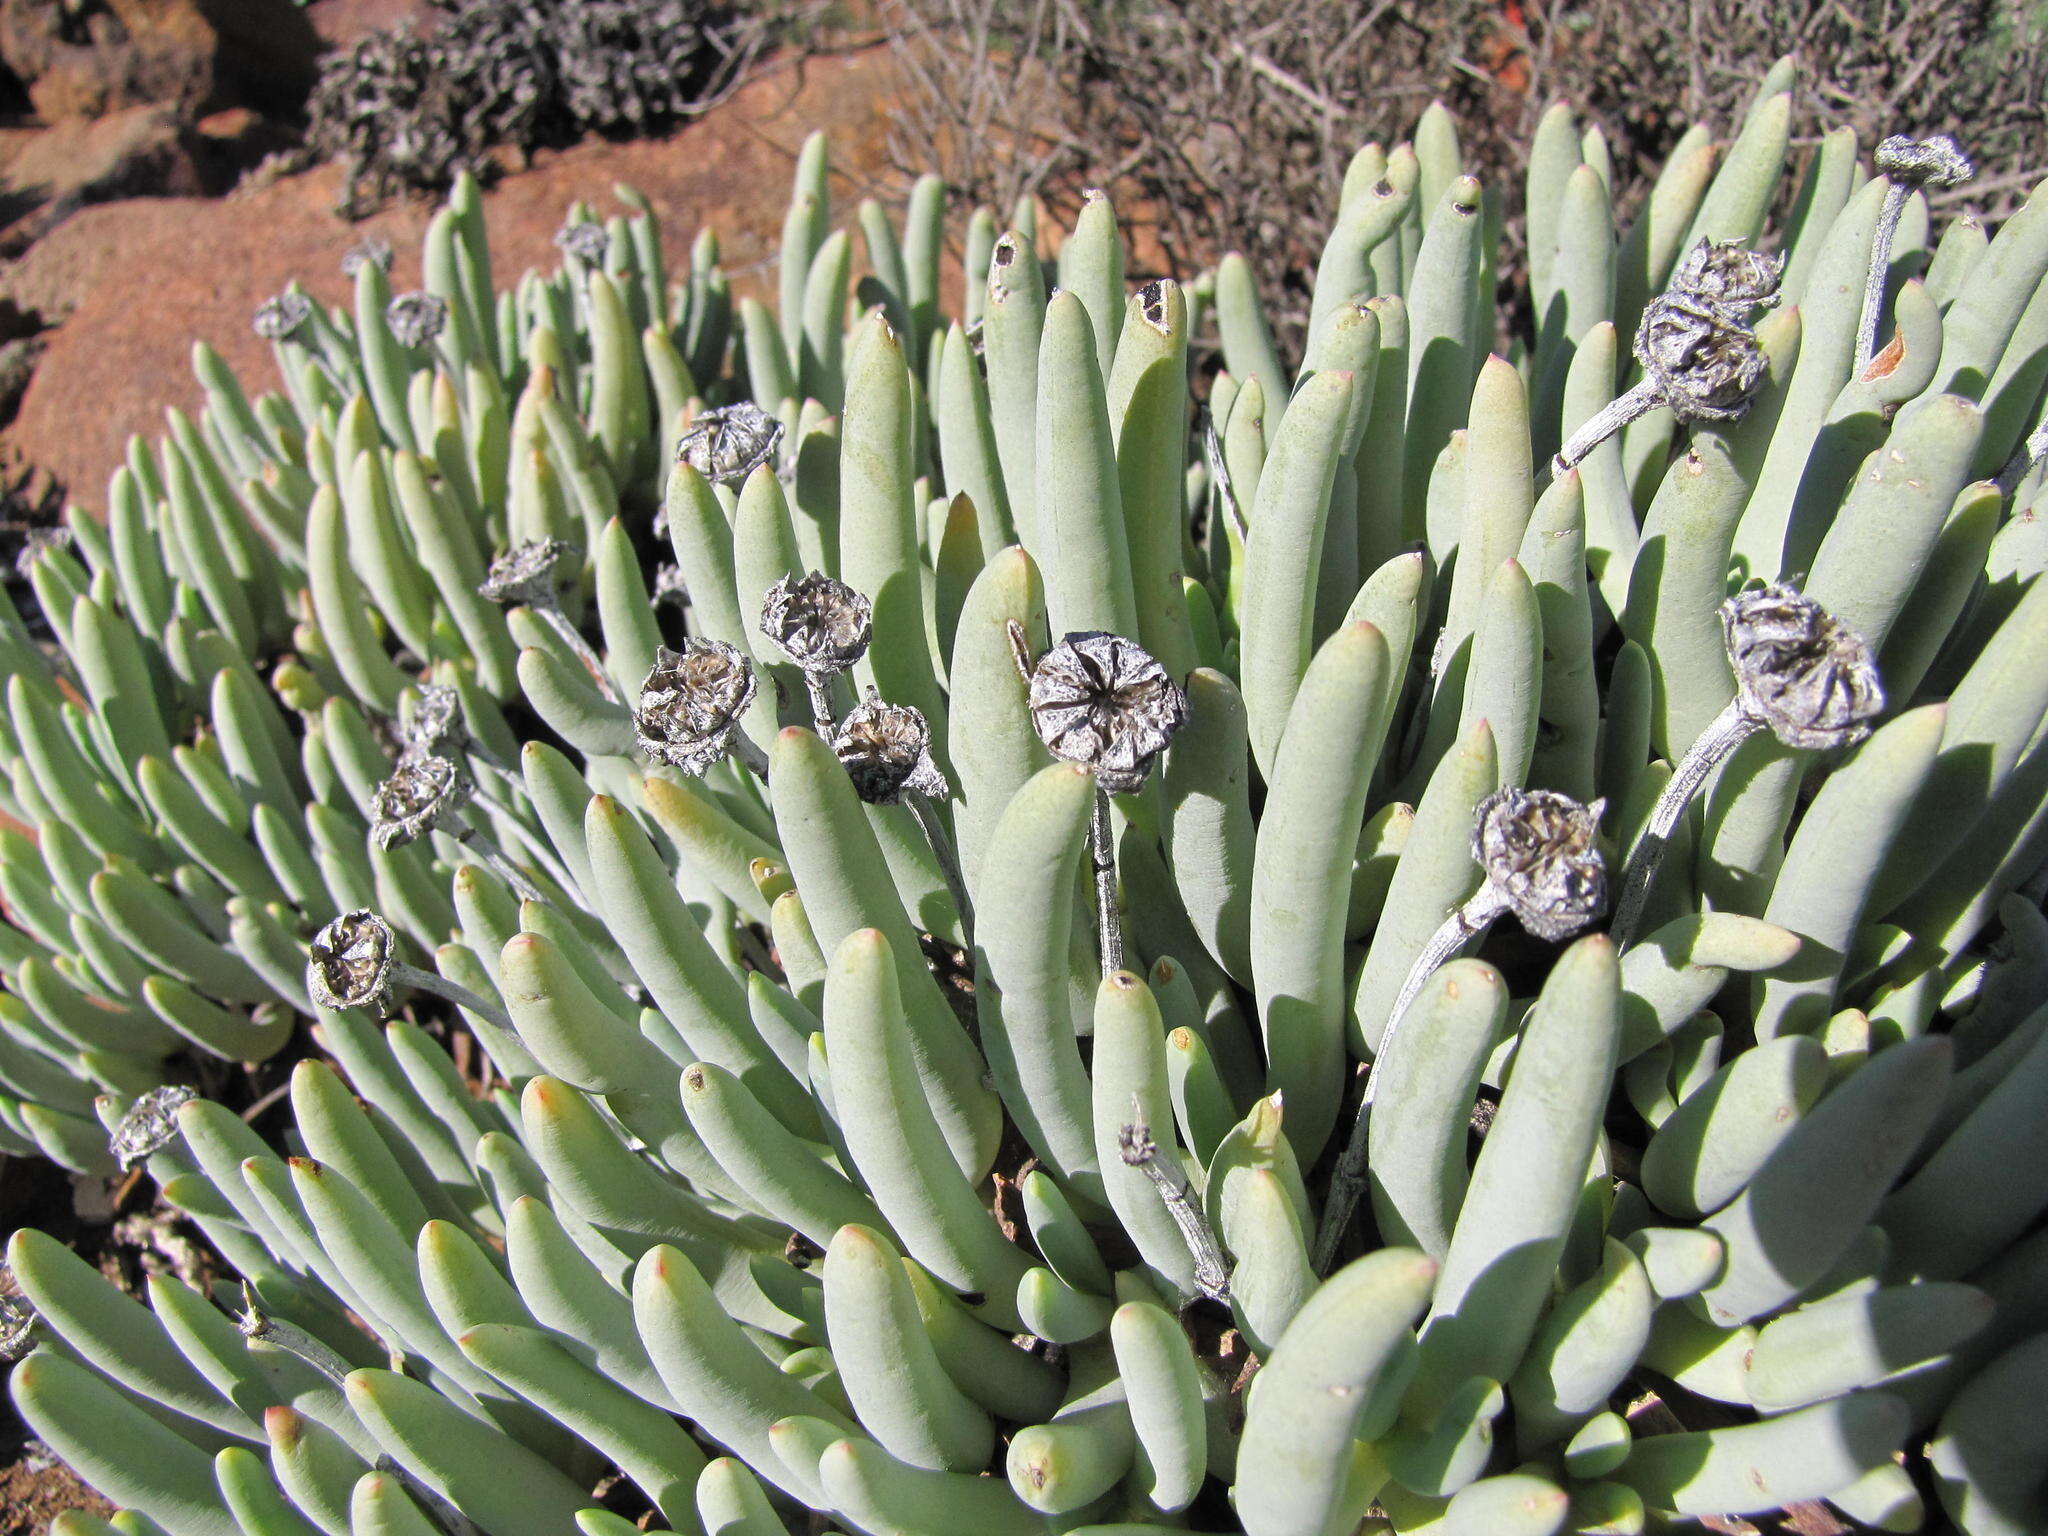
x=886, y=750
x=728, y=444
x=149, y=1125
x=1105, y=702
x=691, y=704
x=1540, y=851
x=1800, y=670
x=416, y=318
x=350, y=964
x=282, y=315
x=421, y=791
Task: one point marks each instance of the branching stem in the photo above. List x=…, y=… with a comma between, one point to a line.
x=1639, y=400
x=1895, y=196
x=1109, y=922
x=1724, y=733
x=1140, y=1151
x=934, y=827
x=1348, y=1181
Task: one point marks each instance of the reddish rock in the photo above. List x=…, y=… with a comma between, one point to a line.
x=131, y=153
x=142, y=279
x=236, y=141
x=202, y=55
x=344, y=23
x=137, y=152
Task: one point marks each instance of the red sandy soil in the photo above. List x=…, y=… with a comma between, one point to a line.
x=139, y=280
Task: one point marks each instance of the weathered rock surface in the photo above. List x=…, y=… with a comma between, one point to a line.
x=83, y=61
x=137, y=151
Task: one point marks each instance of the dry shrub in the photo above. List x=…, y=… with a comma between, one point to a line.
x=406, y=108
x=1226, y=124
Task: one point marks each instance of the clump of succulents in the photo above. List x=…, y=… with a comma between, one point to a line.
x=996, y=1016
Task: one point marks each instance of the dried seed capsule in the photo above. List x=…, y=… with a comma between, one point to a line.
x=150, y=1124
x=1935, y=162
x=17, y=1327
x=585, y=240
x=1699, y=356
x=416, y=318
x=34, y=541
x=1800, y=670
x=728, y=444
x=1540, y=853
x=350, y=963
x=353, y=963
x=370, y=251
x=1728, y=275
x=276, y=318
x=421, y=791
x=1701, y=363
x=1106, y=703
x=886, y=750
x=692, y=702
x=435, y=728
x=820, y=624
x=1905, y=164
x=527, y=573
x=669, y=586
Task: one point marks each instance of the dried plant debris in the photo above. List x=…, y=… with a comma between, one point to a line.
x=409, y=107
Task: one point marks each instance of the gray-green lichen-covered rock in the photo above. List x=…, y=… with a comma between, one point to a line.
x=921, y=986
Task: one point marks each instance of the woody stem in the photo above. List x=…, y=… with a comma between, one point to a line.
x=293, y=1340
x=1109, y=924
x=499, y=865
x=750, y=757
x=2032, y=449
x=1176, y=1192
x=819, y=686
x=535, y=847
x=573, y=638
x=1348, y=1182
x=935, y=833
x=1874, y=280
x=1639, y=400
x=1724, y=733
x=404, y=975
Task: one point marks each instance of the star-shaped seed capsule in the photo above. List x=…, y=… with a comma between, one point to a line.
x=416, y=318
x=1800, y=673
x=728, y=444
x=150, y=1124
x=689, y=708
x=279, y=317
x=1106, y=703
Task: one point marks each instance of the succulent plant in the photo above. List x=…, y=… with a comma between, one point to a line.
x=924, y=1109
